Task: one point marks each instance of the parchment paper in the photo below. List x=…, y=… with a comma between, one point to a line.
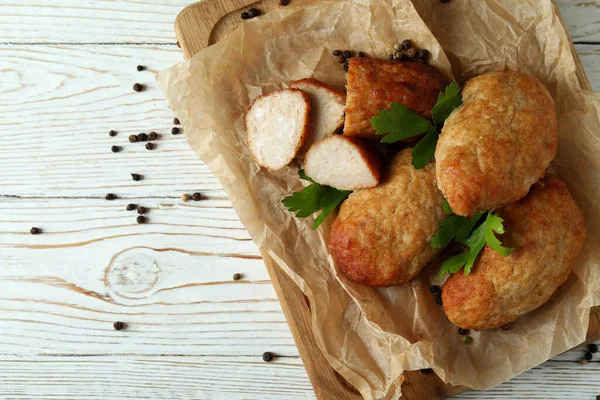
x=370, y=336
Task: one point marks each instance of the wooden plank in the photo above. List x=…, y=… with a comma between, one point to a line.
x=101, y=378
x=151, y=21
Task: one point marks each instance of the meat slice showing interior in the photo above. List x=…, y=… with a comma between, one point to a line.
x=343, y=163
x=277, y=125
x=327, y=109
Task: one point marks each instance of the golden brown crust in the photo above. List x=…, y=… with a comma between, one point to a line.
x=382, y=235
x=305, y=126
x=373, y=84
x=497, y=144
x=547, y=231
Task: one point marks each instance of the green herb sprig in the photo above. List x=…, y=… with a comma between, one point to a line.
x=462, y=230
x=313, y=198
x=399, y=123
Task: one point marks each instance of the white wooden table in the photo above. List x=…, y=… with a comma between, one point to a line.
x=66, y=73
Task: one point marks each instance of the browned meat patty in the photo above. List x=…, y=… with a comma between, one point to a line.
x=382, y=235
x=497, y=144
x=547, y=231
x=373, y=84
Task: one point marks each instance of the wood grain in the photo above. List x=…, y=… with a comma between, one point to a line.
x=151, y=21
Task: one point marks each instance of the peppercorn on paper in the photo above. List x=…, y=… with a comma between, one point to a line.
x=370, y=336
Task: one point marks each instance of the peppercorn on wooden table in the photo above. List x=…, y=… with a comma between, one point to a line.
x=66, y=75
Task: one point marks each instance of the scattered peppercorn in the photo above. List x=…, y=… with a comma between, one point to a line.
x=141, y=68
x=138, y=87
x=406, y=44
x=422, y=54
x=131, y=207
x=362, y=54
x=347, y=53
x=152, y=136
x=115, y=149
x=175, y=130
x=284, y=2
x=185, y=197
x=245, y=15
x=149, y=146
x=588, y=356
x=268, y=356
x=142, y=210
x=35, y=231
x=426, y=371
x=112, y=132
x=593, y=348
x=110, y=196
x=506, y=326
x=340, y=59
x=141, y=219
x=462, y=331
x=197, y=196
x=142, y=137
x=391, y=56
x=336, y=53
x=397, y=47
x=397, y=55
x=346, y=67
x=176, y=121
x=237, y=276
x=253, y=12
x=133, y=138
x=467, y=339
x=118, y=325
x=435, y=289
x=411, y=53
x=136, y=177
x=583, y=361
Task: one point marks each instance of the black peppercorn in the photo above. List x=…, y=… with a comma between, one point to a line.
x=284, y=2
x=346, y=66
x=593, y=348
x=176, y=121
x=588, y=356
x=149, y=146
x=142, y=137
x=506, y=326
x=142, y=210
x=411, y=53
x=336, y=53
x=253, y=12
x=268, y=356
x=340, y=59
x=435, y=289
x=347, y=53
x=141, y=219
x=131, y=207
x=406, y=44
x=115, y=149
x=426, y=371
x=152, y=136
x=112, y=133
x=110, y=196
x=462, y=331
x=138, y=87
x=136, y=177
x=118, y=325
x=361, y=54
x=422, y=54
x=197, y=196
x=175, y=130
x=391, y=56
x=237, y=276
x=141, y=68
x=133, y=138
x=245, y=15
x=35, y=231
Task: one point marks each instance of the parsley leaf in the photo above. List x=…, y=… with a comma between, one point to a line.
x=424, y=150
x=455, y=228
x=398, y=123
x=475, y=243
x=313, y=198
x=447, y=102
x=447, y=208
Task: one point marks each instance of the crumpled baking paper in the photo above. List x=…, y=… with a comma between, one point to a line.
x=370, y=336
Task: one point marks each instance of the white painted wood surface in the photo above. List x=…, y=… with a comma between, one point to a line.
x=192, y=332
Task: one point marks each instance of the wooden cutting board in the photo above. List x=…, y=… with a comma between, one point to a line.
x=203, y=24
